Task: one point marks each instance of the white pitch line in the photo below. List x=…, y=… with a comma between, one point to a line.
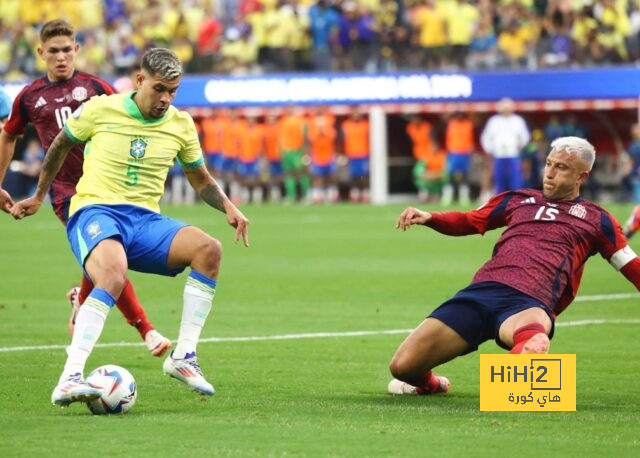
x=602, y=297
x=312, y=335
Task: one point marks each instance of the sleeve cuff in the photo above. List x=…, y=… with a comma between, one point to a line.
x=192, y=165
x=72, y=137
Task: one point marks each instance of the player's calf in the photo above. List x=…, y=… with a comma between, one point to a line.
x=537, y=345
x=530, y=339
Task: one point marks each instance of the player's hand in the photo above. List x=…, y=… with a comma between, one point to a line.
x=412, y=216
x=240, y=222
x=26, y=207
x=6, y=202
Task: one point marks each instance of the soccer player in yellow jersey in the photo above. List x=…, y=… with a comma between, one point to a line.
x=131, y=142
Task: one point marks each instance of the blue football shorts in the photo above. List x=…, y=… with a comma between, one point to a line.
x=213, y=159
x=458, y=163
x=249, y=169
x=145, y=235
x=477, y=311
x=323, y=170
x=229, y=164
x=275, y=169
x=359, y=167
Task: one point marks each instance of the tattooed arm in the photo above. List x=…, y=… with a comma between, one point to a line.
x=207, y=187
x=53, y=160
x=210, y=192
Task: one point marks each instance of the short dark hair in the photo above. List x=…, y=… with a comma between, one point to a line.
x=163, y=62
x=56, y=28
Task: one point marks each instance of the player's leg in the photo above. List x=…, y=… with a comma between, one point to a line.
x=527, y=331
x=464, y=180
x=365, y=195
x=429, y=345
x=515, y=169
x=192, y=247
x=288, y=166
x=303, y=177
x=106, y=265
x=633, y=223
x=420, y=181
x=499, y=171
x=132, y=310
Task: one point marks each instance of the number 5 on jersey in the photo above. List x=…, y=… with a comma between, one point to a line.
x=546, y=214
x=132, y=173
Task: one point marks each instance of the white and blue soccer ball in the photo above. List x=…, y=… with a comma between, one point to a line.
x=119, y=390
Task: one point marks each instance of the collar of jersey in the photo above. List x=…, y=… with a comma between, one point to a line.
x=134, y=111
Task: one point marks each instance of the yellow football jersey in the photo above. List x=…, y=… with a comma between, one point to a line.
x=127, y=157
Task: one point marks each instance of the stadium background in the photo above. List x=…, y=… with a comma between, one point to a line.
x=317, y=274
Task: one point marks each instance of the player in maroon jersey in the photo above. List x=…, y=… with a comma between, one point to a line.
x=532, y=277
x=47, y=103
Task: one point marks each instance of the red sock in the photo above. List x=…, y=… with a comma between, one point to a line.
x=522, y=335
x=132, y=310
x=85, y=288
x=430, y=385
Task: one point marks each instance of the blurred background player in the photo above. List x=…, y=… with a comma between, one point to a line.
x=229, y=161
x=212, y=141
x=532, y=157
x=292, y=129
x=5, y=107
x=47, y=103
x=251, y=138
x=459, y=144
x=273, y=156
x=515, y=298
x=430, y=173
x=420, y=132
x=503, y=137
x=633, y=175
x=355, y=134
x=322, y=140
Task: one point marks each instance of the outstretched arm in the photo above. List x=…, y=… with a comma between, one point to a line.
x=53, y=160
x=449, y=223
x=490, y=216
x=209, y=190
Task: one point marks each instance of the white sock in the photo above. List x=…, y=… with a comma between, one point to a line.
x=275, y=195
x=198, y=297
x=447, y=195
x=257, y=195
x=89, y=324
x=464, y=194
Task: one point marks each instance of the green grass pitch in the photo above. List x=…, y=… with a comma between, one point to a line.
x=332, y=269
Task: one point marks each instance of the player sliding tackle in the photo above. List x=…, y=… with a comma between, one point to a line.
x=132, y=141
x=532, y=277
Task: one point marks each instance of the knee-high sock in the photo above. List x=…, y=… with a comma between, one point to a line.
x=198, y=297
x=127, y=303
x=522, y=335
x=89, y=324
x=430, y=385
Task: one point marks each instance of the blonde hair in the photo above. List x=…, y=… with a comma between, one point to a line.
x=576, y=145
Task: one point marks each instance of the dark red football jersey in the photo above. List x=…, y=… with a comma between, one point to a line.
x=546, y=244
x=47, y=105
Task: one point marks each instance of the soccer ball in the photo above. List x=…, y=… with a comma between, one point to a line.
x=119, y=390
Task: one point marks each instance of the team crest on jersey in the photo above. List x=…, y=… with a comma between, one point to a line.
x=578, y=210
x=93, y=229
x=138, y=148
x=79, y=93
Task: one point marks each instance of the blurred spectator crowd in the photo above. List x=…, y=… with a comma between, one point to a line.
x=258, y=36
